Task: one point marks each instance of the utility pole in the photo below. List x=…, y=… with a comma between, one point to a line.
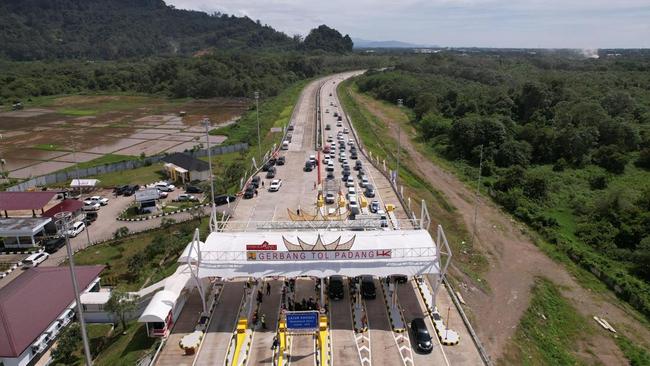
x=213, y=212
x=399, y=141
x=62, y=220
x=478, y=191
x=257, y=111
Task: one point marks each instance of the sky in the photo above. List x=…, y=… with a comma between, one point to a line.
x=456, y=23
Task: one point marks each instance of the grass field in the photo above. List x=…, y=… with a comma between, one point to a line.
x=143, y=175
x=549, y=331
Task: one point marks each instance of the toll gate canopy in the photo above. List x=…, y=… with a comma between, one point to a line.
x=318, y=253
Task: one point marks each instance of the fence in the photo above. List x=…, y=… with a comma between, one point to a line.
x=67, y=175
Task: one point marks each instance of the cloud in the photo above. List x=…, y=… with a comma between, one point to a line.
x=489, y=23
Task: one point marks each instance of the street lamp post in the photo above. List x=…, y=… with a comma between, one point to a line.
x=399, y=142
x=62, y=220
x=257, y=111
x=213, y=212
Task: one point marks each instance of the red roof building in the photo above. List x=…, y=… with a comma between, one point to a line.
x=35, y=306
x=65, y=205
x=24, y=201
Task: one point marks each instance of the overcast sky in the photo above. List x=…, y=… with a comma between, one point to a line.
x=482, y=23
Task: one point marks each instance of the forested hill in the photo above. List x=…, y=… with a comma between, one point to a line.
x=112, y=29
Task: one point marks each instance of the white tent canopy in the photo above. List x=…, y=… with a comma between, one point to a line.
x=83, y=183
x=317, y=253
x=163, y=301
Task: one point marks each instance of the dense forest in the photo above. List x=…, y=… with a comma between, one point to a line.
x=117, y=29
x=225, y=74
x=564, y=144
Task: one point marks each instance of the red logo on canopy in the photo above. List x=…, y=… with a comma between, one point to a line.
x=264, y=246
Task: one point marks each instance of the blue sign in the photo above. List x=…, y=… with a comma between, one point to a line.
x=302, y=320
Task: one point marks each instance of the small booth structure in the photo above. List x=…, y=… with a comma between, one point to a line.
x=84, y=183
x=165, y=306
x=186, y=168
x=146, y=200
x=23, y=232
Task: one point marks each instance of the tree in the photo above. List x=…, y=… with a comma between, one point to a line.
x=67, y=343
x=644, y=159
x=609, y=158
x=513, y=152
x=121, y=304
x=328, y=39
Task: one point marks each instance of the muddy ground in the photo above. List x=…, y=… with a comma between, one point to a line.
x=40, y=139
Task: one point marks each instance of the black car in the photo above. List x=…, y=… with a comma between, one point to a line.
x=266, y=166
x=370, y=191
x=271, y=173
x=53, y=244
x=354, y=156
x=272, y=161
x=255, y=181
x=281, y=160
x=249, y=192
x=119, y=190
x=91, y=215
x=330, y=175
x=290, y=128
x=399, y=278
x=368, y=290
x=345, y=175
x=328, y=127
x=358, y=165
x=193, y=189
x=224, y=199
x=335, y=287
x=130, y=190
x=308, y=166
x=421, y=336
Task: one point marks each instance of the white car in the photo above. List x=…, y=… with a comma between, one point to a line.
x=350, y=182
x=364, y=181
x=34, y=260
x=184, y=197
x=99, y=199
x=275, y=185
x=91, y=206
x=76, y=228
x=164, y=187
x=162, y=194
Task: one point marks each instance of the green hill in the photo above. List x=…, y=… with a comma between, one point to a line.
x=113, y=29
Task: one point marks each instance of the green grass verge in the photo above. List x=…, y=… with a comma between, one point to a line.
x=636, y=354
x=126, y=349
x=77, y=112
x=142, y=175
x=375, y=136
x=548, y=331
x=50, y=147
x=103, y=160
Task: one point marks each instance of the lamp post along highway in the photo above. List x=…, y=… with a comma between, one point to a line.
x=213, y=211
x=257, y=112
x=399, y=142
x=62, y=221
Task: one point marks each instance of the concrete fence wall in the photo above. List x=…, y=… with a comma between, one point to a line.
x=65, y=176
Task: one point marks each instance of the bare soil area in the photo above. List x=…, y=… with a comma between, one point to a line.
x=514, y=263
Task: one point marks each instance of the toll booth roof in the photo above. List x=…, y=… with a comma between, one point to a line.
x=317, y=253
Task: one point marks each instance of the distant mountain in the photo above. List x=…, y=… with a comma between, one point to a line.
x=111, y=29
x=364, y=43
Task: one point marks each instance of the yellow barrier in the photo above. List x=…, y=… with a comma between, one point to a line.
x=342, y=202
x=322, y=341
x=364, y=202
x=282, y=328
x=242, y=324
x=390, y=207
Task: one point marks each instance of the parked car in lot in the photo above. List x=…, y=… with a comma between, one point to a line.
x=34, y=260
x=249, y=192
x=193, y=189
x=275, y=185
x=119, y=190
x=421, y=336
x=130, y=189
x=99, y=199
x=76, y=228
x=164, y=186
x=184, y=197
x=368, y=290
x=90, y=206
x=224, y=199
x=330, y=198
x=53, y=244
x=162, y=194
x=335, y=287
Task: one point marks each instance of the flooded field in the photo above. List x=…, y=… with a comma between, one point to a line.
x=39, y=140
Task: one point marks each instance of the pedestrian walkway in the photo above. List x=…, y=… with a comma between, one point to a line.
x=171, y=354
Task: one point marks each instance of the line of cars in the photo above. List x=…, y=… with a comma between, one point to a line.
x=270, y=167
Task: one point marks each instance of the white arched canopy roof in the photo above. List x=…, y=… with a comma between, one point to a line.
x=318, y=253
x=163, y=301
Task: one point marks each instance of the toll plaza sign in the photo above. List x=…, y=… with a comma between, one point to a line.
x=302, y=320
x=317, y=255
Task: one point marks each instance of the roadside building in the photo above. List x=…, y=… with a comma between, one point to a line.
x=35, y=307
x=23, y=232
x=21, y=203
x=75, y=207
x=146, y=200
x=186, y=168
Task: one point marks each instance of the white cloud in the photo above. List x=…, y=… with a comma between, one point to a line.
x=496, y=23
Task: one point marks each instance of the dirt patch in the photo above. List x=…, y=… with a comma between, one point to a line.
x=514, y=263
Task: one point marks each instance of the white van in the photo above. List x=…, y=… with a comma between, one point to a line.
x=352, y=192
x=285, y=145
x=34, y=260
x=164, y=186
